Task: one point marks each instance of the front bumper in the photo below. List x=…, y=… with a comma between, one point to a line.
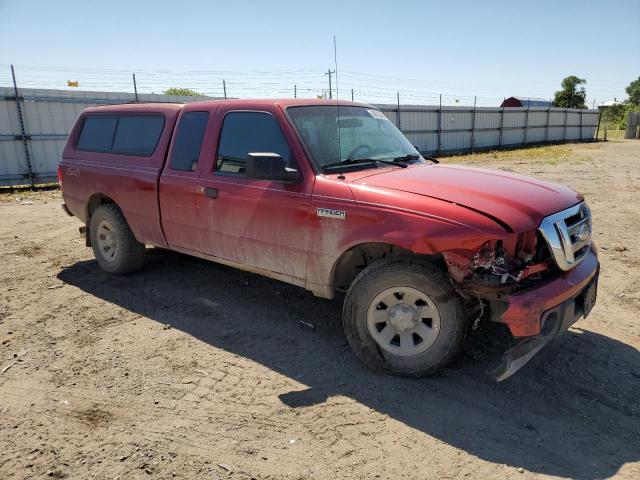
x=527, y=312
x=576, y=292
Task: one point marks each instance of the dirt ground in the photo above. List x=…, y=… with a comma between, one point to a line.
x=189, y=369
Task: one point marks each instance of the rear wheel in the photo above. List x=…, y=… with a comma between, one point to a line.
x=114, y=245
x=403, y=316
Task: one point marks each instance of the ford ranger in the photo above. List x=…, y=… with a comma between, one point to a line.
x=330, y=196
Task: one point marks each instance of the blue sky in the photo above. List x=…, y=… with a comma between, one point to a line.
x=486, y=48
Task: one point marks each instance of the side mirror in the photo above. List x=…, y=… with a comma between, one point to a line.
x=269, y=166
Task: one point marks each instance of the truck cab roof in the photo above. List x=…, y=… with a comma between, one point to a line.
x=235, y=103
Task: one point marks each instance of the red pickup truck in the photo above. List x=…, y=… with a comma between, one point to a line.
x=333, y=198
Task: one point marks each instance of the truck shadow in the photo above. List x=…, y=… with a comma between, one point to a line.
x=574, y=411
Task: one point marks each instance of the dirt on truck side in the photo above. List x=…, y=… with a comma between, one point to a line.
x=190, y=369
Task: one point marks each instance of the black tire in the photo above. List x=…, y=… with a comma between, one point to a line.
x=417, y=274
x=129, y=254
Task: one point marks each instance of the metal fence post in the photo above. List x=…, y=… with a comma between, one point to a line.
x=546, y=129
x=295, y=91
x=439, y=125
x=352, y=94
x=23, y=131
x=566, y=120
x=598, y=128
x=224, y=88
x=135, y=88
x=581, y=124
x=473, y=121
x=526, y=121
x=398, y=111
x=501, y=124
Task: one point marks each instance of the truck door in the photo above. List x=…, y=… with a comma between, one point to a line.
x=258, y=223
x=178, y=182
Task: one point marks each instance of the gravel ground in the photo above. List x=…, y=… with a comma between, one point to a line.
x=189, y=369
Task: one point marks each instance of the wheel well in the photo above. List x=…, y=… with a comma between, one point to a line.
x=353, y=261
x=95, y=201
x=357, y=258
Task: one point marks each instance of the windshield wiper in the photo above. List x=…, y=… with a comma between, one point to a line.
x=361, y=161
x=414, y=156
x=406, y=158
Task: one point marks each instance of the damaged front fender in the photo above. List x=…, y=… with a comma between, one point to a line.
x=494, y=267
x=498, y=270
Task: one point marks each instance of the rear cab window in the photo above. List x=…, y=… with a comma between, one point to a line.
x=123, y=134
x=97, y=133
x=188, y=141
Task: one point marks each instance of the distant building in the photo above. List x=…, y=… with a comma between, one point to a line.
x=610, y=103
x=525, y=102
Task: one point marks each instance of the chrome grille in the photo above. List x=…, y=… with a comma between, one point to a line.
x=568, y=235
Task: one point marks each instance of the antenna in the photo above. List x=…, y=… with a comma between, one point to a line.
x=335, y=69
x=335, y=66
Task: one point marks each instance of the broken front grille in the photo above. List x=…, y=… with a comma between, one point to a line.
x=568, y=235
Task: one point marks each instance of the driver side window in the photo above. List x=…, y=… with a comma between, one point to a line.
x=249, y=132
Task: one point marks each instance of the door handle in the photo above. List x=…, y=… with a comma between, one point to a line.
x=210, y=192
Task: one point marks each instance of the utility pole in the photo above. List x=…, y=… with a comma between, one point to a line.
x=571, y=100
x=330, y=72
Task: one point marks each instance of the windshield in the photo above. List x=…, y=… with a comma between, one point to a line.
x=364, y=133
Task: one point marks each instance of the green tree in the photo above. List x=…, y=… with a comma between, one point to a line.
x=181, y=91
x=633, y=90
x=570, y=96
x=616, y=115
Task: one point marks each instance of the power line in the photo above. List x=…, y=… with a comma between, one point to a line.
x=308, y=82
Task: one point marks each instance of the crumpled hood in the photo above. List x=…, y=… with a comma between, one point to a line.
x=518, y=201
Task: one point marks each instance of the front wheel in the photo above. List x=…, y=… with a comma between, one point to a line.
x=403, y=316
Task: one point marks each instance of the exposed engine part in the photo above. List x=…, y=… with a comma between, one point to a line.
x=491, y=268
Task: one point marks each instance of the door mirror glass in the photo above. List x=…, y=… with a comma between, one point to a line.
x=269, y=166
